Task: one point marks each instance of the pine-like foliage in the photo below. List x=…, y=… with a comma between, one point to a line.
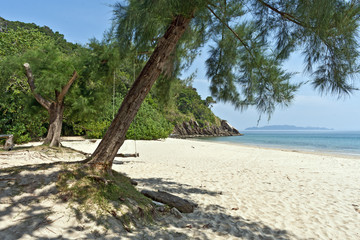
x=249, y=42
x=324, y=30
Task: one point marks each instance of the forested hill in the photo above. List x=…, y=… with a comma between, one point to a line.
x=103, y=80
x=6, y=26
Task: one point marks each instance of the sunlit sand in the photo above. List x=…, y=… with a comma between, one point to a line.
x=241, y=192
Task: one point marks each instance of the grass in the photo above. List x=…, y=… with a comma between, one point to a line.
x=105, y=194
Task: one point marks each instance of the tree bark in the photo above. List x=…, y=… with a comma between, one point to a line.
x=104, y=154
x=54, y=108
x=31, y=81
x=9, y=144
x=181, y=204
x=56, y=112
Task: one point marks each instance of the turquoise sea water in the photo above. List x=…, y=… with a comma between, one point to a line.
x=319, y=141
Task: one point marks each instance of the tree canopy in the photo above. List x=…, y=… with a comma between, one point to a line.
x=249, y=42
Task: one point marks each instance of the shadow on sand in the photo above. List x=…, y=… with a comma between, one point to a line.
x=23, y=188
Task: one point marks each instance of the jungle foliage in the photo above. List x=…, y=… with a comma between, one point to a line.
x=104, y=78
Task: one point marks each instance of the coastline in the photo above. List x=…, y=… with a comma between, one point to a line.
x=321, y=152
x=340, y=143
x=242, y=192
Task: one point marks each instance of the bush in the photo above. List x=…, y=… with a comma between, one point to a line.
x=190, y=103
x=149, y=124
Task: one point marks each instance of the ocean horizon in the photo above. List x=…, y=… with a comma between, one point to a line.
x=334, y=142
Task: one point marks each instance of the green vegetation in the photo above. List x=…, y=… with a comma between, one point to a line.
x=156, y=40
x=149, y=123
x=91, y=102
x=98, y=197
x=104, y=194
x=31, y=30
x=20, y=40
x=249, y=41
x=244, y=65
x=190, y=103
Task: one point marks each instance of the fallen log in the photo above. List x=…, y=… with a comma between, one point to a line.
x=181, y=204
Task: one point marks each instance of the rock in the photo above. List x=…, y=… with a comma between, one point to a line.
x=193, y=129
x=225, y=125
x=133, y=182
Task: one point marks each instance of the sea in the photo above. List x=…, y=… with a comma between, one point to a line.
x=333, y=142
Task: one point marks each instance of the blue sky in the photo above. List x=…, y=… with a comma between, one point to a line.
x=81, y=20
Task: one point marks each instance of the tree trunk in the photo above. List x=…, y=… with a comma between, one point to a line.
x=9, y=144
x=56, y=112
x=104, y=154
x=55, y=108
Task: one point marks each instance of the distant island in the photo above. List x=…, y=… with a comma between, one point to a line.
x=286, y=128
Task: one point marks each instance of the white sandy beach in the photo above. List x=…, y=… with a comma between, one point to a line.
x=242, y=192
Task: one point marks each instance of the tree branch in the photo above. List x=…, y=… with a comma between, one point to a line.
x=235, y=34
x=291, y=18
x=45, y=103
x=66, y=88
x=283, y=14
x=242, y=41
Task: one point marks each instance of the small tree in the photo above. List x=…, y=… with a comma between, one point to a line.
x=55, y=73
x=54, y=107
x=209, y=101
x=16, y=105
x=50, y=77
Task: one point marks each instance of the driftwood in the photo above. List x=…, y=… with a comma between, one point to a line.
x=9, y=144
x=125, y=155
x=181, y=204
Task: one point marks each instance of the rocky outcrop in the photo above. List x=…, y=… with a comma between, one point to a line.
x=193, y=129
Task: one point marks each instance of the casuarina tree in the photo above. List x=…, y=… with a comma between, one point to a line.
x=49, y=74
x=249, y=41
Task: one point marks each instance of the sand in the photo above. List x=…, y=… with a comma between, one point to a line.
x=242, y=193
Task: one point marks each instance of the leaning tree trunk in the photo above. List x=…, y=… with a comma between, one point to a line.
x=104, y=154
x=54, y=108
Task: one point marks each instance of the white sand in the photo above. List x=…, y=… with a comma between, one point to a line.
x=242, y=192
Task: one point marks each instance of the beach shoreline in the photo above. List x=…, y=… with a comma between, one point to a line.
x=321, y=152
x=242, y=192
